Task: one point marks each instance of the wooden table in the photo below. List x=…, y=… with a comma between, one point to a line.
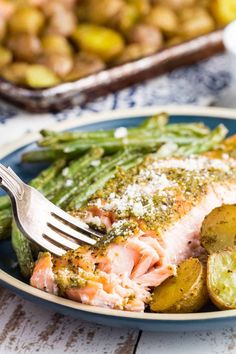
x=27, y=328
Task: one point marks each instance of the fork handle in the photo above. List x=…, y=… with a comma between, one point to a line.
x=11, y=183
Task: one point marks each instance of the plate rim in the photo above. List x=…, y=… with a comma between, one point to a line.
x=87, y=119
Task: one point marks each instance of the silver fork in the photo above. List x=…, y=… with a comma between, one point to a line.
x=41, y=221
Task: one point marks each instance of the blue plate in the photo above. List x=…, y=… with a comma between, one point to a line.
x=9, y=273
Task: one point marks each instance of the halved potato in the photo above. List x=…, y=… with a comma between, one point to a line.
x=221, y=279
x=185, y=292
x=219, y=229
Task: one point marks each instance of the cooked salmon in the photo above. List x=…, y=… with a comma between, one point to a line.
x=152, y=215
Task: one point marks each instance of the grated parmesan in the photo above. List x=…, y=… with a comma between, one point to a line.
x=69, y=183
x=95, y=163
x=194, y=164
x=155, y=184
x=121, y=132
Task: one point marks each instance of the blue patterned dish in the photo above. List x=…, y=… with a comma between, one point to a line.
x=9, y=274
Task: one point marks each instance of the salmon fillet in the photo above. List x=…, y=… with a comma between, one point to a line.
x=152, y=216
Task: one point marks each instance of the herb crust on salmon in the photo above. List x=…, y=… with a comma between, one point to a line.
x=151, y=215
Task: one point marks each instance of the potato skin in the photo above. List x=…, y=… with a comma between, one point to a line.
x=220, y=268
x=195, y=22
x=184, y=293
x=163, y=18
x=24, y=47
x=218, y=230
x=224, y=11
x=39, y=76
x=15, y=72
x=85, y=64
x=60, y=64
x=146, y=35
x=98, y=40
x=26, y=20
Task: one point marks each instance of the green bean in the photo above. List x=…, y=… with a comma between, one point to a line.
x=157, y=121
x=73, y=171
x=155, y=128
x=65, y=194
x=4, y=202
x=41, y=155
x=107, y=163
x=111, y=145
x=88, y=191
x=179, y=134
x=51, y=137
x=210, y=142
x=5, y=223
x=193, y=129
x=47, y=175
x=22, y=247
x=125, y=159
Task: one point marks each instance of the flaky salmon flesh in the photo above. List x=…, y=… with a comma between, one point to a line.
x=152, y=216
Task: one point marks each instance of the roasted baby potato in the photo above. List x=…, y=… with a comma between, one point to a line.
x=56, y=44
x=3, y=28
x=100, y=12
x=163, y=18
x=15, y=72
x=114, y=31
x=134, y=51
x=219, y=229
x=62, y=22
x=142, y=6
x=185, y=292
x=24, y=47
x=98, y=40
x=125, y=18
x=60, y=64
x=147, y=36
x=5, y=57
x=221, y=273
x=85, y=64
x=26, y=20
x=224, y=11
x=195, y=22
x=39, y=76
x=177, y=5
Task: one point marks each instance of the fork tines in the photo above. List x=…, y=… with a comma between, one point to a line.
x=65, y=232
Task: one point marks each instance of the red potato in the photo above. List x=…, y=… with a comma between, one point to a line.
x=25, y=47
x=146, y=35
